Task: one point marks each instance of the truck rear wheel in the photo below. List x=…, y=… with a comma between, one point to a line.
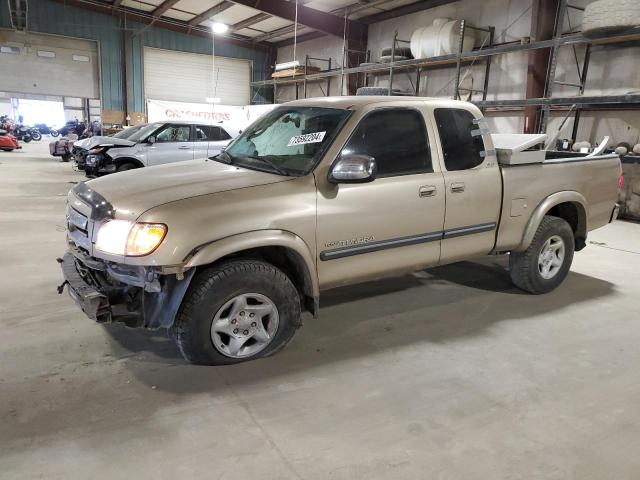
x=545, y=264
x=237, y=311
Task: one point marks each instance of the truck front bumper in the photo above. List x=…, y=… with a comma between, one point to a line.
x=94, y=304
x=128, y=296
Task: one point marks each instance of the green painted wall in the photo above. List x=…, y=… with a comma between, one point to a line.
x=112, y=35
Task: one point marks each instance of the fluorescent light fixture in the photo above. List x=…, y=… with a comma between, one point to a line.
x=287, y=65
x=217, y=27
x=46, y=54
x=212, y=100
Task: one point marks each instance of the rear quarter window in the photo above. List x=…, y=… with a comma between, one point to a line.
x=462, y=145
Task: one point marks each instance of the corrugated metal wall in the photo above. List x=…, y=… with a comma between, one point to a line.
x=46, y=16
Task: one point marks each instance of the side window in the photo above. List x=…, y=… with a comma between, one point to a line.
x=396, y=138
x=462, y=144
x=173, y=133
x=201, y=133
x=221, y=134
x=209, y=133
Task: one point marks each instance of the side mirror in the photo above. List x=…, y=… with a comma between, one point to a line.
x=353, y=168
x=151, y=140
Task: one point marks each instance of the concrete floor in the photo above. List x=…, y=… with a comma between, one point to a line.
x=447, y=374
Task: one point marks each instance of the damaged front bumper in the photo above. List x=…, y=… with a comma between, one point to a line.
x=111, y=292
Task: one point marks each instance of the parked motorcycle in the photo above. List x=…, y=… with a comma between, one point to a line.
x=44, y=129
x=73, y=126
x=24, y=133
x=8, y=142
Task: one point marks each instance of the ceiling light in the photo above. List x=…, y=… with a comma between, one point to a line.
x=217, y=27
x=212, y=100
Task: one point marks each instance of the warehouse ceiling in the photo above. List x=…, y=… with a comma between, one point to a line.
x=263, y=21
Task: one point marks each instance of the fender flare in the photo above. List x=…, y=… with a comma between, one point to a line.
x=120, y=160
x=215, y=250
x=569, y=196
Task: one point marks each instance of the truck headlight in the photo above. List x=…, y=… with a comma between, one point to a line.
x=120, y=237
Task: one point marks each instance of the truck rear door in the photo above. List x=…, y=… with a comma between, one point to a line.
x=473, y=184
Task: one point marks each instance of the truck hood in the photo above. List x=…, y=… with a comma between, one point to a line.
x=92, y=142
x=133, y=192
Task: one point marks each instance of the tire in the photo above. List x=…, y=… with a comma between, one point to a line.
x=213, y=291
x=123, y=167
x=610, y=16
x=66, y=157
x=26, y=139
x=400, y=52
x=7, y=149
x=525, y=269
x=54, y=133
x=35, y=135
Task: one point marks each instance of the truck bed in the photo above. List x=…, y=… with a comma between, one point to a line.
x=525, y=186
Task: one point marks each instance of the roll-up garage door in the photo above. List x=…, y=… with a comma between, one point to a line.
x=188, y=77
x=39, y=64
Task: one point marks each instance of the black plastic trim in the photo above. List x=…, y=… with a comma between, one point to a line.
x=404, y=241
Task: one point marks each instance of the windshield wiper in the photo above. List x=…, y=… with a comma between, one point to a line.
x=269, y=162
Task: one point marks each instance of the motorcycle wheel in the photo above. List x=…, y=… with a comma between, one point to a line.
x=35, y=135
x=26, y=139
x=54, y=133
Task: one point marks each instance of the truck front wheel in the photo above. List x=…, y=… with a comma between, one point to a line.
x=545, y=264
x=236, y=311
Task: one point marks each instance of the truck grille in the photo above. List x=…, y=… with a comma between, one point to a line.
x=78, y=229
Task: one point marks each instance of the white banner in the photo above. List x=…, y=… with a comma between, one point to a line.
x=237, y=116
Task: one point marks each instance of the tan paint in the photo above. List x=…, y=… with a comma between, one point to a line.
x=213, y=210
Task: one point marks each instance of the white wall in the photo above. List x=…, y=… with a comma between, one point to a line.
x=325, y=47
x=612, y=70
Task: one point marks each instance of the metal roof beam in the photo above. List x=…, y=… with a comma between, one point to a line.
x=207, y=14
x=322, y=21
x=163, y=7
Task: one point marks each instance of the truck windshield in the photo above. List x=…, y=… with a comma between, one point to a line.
x=287, y=140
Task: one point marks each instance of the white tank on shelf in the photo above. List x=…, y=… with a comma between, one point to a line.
x=440, y=38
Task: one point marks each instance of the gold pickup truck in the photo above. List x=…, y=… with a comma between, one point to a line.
x=229, y=251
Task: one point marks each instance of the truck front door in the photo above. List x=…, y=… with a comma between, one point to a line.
x=473, y=185
x=392, y=224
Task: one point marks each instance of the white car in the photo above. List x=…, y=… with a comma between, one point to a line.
x=151, y=144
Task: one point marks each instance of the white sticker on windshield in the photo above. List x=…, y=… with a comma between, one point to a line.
x=315, y=137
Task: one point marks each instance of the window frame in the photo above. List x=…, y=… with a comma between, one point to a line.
x=437, y=128
x=386, y=108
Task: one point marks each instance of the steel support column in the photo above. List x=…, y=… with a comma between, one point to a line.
x=543, y=17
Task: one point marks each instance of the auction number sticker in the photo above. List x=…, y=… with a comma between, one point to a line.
x=315, y=137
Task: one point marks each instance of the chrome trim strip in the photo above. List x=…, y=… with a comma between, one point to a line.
x=404, y=241
x=379, y=245
x=458, y=232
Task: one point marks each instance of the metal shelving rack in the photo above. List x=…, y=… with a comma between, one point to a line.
x=461, y=58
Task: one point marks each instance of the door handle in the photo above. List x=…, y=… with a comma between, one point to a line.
x=427, y=191
x=184, y=147
x=457, y=187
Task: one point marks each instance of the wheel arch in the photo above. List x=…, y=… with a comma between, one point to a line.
x=120, y=160
x=571, y=206
x=281, y=248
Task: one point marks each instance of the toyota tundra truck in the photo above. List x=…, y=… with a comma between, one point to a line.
x=229, y=252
